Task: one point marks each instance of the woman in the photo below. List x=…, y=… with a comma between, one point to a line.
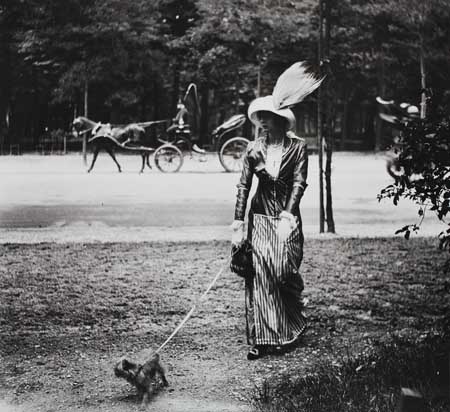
x=273, y=294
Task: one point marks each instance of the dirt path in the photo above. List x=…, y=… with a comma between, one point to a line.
x=68, y=311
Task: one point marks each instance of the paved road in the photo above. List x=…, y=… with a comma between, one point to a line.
x=43, y=197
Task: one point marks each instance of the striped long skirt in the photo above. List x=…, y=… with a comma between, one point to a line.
x=273, y=297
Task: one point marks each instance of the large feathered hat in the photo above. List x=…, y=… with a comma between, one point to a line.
x=293, y=85
x=265, y=104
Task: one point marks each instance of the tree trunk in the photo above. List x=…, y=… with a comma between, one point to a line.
x=344, y=130
x=155, y=100
x=381, y=92
x=319, y=127
x=329, y=198
x=329, y=129
x=423, y=102
x=4, y=130
x=34, y=110
x=258, y=81
x=258, y=93
x=175, y=90
x=86, y=95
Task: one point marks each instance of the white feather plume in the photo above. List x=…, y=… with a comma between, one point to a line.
x=293, y=85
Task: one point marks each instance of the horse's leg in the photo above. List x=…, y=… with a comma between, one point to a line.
x=94, y=158
x=143, y=162
x=147, y=159
x=111, y=153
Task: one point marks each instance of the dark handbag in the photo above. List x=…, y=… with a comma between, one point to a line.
x=241, y=260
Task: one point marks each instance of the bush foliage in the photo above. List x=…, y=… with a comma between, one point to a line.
x=369, y=382
x=424, y=156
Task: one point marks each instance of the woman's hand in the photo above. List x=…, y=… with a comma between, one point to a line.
x=237, y=232
x=286, y=225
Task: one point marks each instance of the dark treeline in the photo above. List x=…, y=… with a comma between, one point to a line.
x=122, y=61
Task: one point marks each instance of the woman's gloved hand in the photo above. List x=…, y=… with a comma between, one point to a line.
x=237, y=232
x=286, y=225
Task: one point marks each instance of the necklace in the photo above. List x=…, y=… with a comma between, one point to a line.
x=273, y=159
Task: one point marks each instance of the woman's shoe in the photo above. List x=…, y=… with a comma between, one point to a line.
x=253, y=353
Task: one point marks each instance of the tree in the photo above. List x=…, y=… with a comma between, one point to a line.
x=135, y=58
x=418, y=18
x=235, y=43
x=7, y=12
x=19, y=100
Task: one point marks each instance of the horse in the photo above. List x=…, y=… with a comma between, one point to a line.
x=108, y=138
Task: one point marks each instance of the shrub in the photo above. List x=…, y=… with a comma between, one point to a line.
x=369, y=382
x=423, y=154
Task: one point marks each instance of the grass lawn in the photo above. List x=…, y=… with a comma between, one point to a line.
x=69, y=311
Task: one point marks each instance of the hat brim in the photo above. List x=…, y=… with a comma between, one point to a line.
x=265, y=104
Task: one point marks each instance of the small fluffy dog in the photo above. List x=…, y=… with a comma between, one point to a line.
x=144, y=377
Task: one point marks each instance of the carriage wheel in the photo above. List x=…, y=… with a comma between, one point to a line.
x=183, y=144
x=232, y=152
x=168, y=158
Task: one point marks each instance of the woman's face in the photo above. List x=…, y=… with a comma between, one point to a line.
x=271, y=122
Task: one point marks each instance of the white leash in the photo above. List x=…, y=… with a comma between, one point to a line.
x=200, y=300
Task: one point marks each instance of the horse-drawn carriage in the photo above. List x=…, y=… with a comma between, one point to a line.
x=171, y=146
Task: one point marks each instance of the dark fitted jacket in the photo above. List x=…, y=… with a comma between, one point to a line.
x=273, y=195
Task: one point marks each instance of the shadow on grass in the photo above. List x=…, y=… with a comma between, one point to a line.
x=132, y=397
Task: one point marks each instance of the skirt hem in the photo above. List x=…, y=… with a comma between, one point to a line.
x=266, y=342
